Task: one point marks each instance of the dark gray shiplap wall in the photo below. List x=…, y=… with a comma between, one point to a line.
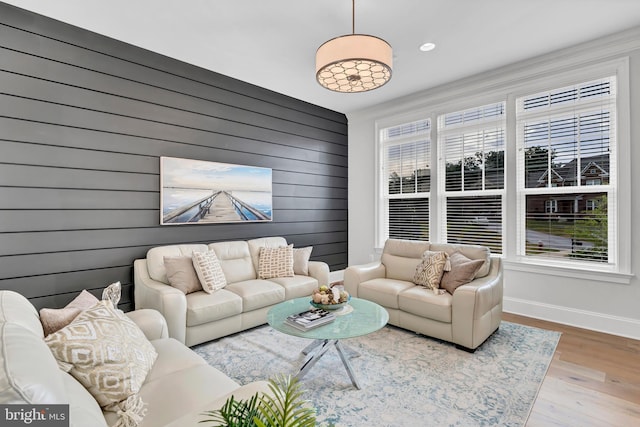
x=84, y=120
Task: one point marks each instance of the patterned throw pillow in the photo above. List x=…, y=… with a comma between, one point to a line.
x=181, y=274
x=429, y=272
x=462, y=271
x=109, y=355
x=113, y=292
x=275, y=262
x=209, y=271
x=301, y=260
x=54, y=319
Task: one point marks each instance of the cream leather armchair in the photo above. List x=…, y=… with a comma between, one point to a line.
x=466, y=318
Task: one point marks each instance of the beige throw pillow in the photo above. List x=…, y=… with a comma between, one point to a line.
x=275, y=262
x=209, y=271
x=462, y=271
x=430, y=270
x=54, y=319
x=301, y=260
x=109, y=355
x=181, y=274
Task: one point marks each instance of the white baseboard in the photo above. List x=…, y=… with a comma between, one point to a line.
x=594, y=321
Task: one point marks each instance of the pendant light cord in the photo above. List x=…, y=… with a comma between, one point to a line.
x=353, y=16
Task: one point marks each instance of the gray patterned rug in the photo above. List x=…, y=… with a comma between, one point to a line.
x=406, y=379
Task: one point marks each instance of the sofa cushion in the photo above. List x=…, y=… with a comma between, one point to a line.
x=204, y=308
x=257, y=293
x=181, y=273
x=155, y=258
x=173, y=356
x=108, y=354
x=401, y=258
x=235, y=259
x=15, y=308
x=28, y=371
x=383, y=291
x=462, y=271
x=301, y=260
x=471, y=252
x=54, y=319
x=275, y=262
x=83, y=408
x=209, y=271
x=429, y=271
x=263, y=242
x=424, y=303
x=297, y=286
x=171, y=396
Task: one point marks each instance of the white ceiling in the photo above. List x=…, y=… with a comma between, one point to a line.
x=272, y=43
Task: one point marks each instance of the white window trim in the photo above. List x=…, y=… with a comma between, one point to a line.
x=381, y=214
x=547, y=76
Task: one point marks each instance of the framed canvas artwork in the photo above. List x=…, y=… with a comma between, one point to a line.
x=201, y=192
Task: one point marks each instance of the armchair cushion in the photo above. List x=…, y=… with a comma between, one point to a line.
x=462, y=271
x=155, y=258
x=429, y=272
x=54, y=319
x=301, y=260
x=275, y=262
x=108, y=354
x=181, y=274
x=209, y=271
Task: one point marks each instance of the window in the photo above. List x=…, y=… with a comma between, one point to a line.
x=566, y=177
x=471, y=146
x=406, y=176
x=551, y=206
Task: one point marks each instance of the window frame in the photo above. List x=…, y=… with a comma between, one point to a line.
x=462, y=129
x=382, y=188
x=546, y=77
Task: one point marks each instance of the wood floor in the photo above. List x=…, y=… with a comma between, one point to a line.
x=593, y=380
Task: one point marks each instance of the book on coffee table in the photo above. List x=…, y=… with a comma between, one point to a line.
x=310, y=319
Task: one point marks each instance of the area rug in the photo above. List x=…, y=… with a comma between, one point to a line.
x=407, y=379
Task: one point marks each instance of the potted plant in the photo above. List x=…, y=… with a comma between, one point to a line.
x=282, y=407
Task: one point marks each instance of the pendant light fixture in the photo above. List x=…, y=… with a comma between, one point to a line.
x=354, y=62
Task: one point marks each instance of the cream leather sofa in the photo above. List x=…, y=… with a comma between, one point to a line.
x=466, y=318
x=177, y=390
x=242, y=304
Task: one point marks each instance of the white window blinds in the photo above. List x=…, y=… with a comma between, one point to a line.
x=406, y=172
x=566, y=172
x=472, y=146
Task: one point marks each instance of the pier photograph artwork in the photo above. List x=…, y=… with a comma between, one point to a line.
x=202, y=192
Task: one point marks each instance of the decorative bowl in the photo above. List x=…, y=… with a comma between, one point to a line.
x=330, y=306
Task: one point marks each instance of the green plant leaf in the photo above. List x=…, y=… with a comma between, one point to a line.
x=284, y=406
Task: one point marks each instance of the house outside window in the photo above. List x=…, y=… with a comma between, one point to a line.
x=551, y=206
x=406, y=180
x=566, y=141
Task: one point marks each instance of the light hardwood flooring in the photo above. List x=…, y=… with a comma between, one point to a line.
x=593, y=380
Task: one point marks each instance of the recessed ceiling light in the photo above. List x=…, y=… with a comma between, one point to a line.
x=427, y=47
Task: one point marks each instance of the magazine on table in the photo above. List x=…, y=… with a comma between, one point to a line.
x=310, y=319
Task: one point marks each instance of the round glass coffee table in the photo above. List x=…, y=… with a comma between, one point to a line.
x=359, y=317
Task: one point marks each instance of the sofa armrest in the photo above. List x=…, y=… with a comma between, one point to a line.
x=151, y=322
x=357, y=274
x=477, y=307
x=320, y=271
x=169, y=301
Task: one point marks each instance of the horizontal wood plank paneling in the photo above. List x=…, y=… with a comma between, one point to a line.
x=84, y=120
